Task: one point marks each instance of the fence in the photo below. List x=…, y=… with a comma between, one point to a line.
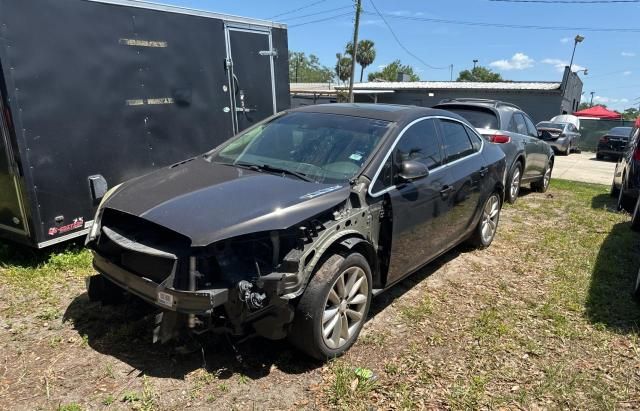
x=593, y=129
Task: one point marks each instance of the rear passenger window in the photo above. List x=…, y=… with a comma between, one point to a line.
x=521, y=126
x=420, y=143
x=455, y=140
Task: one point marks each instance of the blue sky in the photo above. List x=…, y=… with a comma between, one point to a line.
x=612, y=58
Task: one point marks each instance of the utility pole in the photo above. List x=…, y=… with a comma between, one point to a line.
x=355, y=49
x=475, y=61
x=591, y=102
x=451, y=76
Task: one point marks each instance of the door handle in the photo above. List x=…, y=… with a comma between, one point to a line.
x=446, y=190
x=483, y=171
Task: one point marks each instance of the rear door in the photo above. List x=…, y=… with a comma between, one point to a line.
x=11, y=212
x=542, y=148
x=466, y=171
x=251, y=75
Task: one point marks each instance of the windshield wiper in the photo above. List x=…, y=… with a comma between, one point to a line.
x=274, y=169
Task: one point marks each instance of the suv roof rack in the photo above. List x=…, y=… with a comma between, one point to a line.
x=495, y=103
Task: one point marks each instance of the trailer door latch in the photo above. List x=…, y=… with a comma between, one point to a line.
x=272, y=52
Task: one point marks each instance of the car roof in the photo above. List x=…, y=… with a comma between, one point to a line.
x=387, y=112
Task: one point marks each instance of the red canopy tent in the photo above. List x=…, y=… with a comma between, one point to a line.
x=598, y=112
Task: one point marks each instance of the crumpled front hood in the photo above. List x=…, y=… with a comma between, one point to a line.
x=209, y=202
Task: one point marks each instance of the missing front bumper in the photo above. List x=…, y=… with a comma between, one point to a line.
x=188, y=302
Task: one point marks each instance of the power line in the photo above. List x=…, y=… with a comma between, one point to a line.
x=298, y=9
x=510, y=26
x=400, y=43
x=320, y=20
x=568, y=1
x=317, y=13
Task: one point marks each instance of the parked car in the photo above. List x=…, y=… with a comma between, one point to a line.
x=529, y=159
x=562, y=137
x=290, y=228
x=614, y=143
x=626, y=177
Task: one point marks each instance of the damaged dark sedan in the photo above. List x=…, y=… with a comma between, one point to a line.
x=291, y=227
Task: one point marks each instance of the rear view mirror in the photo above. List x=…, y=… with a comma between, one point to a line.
x=413, y=170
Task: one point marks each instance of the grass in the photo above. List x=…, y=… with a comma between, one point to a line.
x=543, y=318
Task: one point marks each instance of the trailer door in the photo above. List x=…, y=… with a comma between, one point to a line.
x=11, y=212
x=251, y=75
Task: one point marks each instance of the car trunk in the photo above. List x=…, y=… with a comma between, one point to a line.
x=549, y=133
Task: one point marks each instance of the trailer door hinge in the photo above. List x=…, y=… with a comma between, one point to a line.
x=272, y=52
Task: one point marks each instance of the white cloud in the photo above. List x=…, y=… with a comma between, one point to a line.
x=561, y=64
x=565, y=39
x=407, y=13
x=519, y=61
x=628, y=54
x=609, y=100
x=627, y=73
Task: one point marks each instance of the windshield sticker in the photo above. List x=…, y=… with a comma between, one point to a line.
x=320, y=192
x=355, y=157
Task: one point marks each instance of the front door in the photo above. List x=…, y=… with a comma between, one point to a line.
x=11, y=214
x=418, y=207
x=251, y=80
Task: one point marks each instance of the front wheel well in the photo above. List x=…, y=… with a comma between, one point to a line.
x=354, y=243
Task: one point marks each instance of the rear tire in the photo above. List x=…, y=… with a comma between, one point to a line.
x=542, y=185
x=515, y=177
x=636, y=289
x=635, y=217
x=485, y=231
x=614, y=190
x=599, y=156
x=568, y=151
x=333, y=308
x=624, y=201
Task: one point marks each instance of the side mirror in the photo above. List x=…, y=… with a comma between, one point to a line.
x=413, y=170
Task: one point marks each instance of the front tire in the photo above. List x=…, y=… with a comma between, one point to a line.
x=485, y=231
x=543, y=185
x=624, y=201
x=515, y=177
x=333, y=308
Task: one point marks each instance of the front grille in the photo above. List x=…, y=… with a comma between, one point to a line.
x=141, y=247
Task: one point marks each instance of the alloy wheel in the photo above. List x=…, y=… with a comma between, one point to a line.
x=490, y=216
x=547, y=177
x=345, y=307
x=515, y=183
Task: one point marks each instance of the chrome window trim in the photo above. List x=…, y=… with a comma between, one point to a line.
x=442, y=166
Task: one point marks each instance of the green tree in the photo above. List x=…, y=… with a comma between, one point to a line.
x=366, y=54
x=583, y=106
x=479, y=73
x=343, y=67
x=307, y=69
x=631, y=113
x=391, y=70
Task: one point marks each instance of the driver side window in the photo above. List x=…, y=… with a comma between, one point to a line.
x=419, y=142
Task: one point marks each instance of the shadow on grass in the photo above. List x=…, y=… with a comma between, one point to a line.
x=28, y=257
x=125, y=332
x=609, y=300
x=604, y=201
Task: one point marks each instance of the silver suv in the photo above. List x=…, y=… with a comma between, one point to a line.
x=529, y=159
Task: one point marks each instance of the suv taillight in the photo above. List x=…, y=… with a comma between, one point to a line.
x=499, y=138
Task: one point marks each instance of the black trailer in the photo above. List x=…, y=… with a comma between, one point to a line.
x=97, y=92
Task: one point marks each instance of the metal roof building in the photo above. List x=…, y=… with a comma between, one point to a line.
x=540, y=99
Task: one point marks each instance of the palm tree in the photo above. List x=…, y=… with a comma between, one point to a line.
x=366, y=54
x=343, y=67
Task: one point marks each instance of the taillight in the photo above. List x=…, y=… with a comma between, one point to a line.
x=604, y=139
x=499, y=138
x=636, y=154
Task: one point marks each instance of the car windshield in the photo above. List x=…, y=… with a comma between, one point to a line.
x=548, y=124
x=620, y=131
x=325, y=148
x=479, y=117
